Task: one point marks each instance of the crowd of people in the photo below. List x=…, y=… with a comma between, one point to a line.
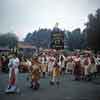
x=53, y=64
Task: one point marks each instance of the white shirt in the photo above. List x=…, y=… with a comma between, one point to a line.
x=10, y=64
x=15, y=62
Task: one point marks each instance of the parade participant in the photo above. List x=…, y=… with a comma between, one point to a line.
x=40, y=58
x=43, y=65
x=93, y=69
x=13, y=72
x=28, y=64
x=69, y=65
x=0, y=64
x=23, y=65
x=51, y=64
x=10, y=65
x=77, y=67
x=85, y=65
x=98, y=62
x=62, y=63
x=55, y=74
x=5, y=61
x=35, y=74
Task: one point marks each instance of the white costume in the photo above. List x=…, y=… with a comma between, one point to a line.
x=70, y=66
x=29, y=64
x=13, y=64
x=10, y=64
x=93, y=67
x=86, y=66
x=51, y=64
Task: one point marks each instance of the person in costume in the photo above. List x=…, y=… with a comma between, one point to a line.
x=62, y=63
x=44, y=65
x=70, y=65
x=93, y=68
x=13, y=72
x=85, y=65
x=35, y=73
x=55, y=74
x=98, y=62
x=77, y=67
x=51, y=63
x=10, y=66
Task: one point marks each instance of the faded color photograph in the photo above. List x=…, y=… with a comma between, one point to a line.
x=49, y=49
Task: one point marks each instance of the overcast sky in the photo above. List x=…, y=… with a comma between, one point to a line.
x=23, y=16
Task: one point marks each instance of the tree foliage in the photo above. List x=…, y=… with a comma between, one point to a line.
x=75, y=39
x=93, y=30
x=8, y=40
x=39, y=38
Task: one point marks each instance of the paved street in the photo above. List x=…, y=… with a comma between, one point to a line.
x=68, y=90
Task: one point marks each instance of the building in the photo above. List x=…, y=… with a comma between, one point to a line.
x=26, y=48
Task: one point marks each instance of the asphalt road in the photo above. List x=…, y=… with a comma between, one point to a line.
x=68, y=89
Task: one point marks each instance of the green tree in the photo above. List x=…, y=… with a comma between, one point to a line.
x=69, y=40
x=8, y=40
x=93, y=30
x=75, y=39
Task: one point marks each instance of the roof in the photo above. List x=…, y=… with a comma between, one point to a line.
x=4, y=49
x=25, y=45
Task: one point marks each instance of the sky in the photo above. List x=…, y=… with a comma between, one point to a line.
x=23, y=16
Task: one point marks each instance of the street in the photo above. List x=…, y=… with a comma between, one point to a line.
x=68, y=89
